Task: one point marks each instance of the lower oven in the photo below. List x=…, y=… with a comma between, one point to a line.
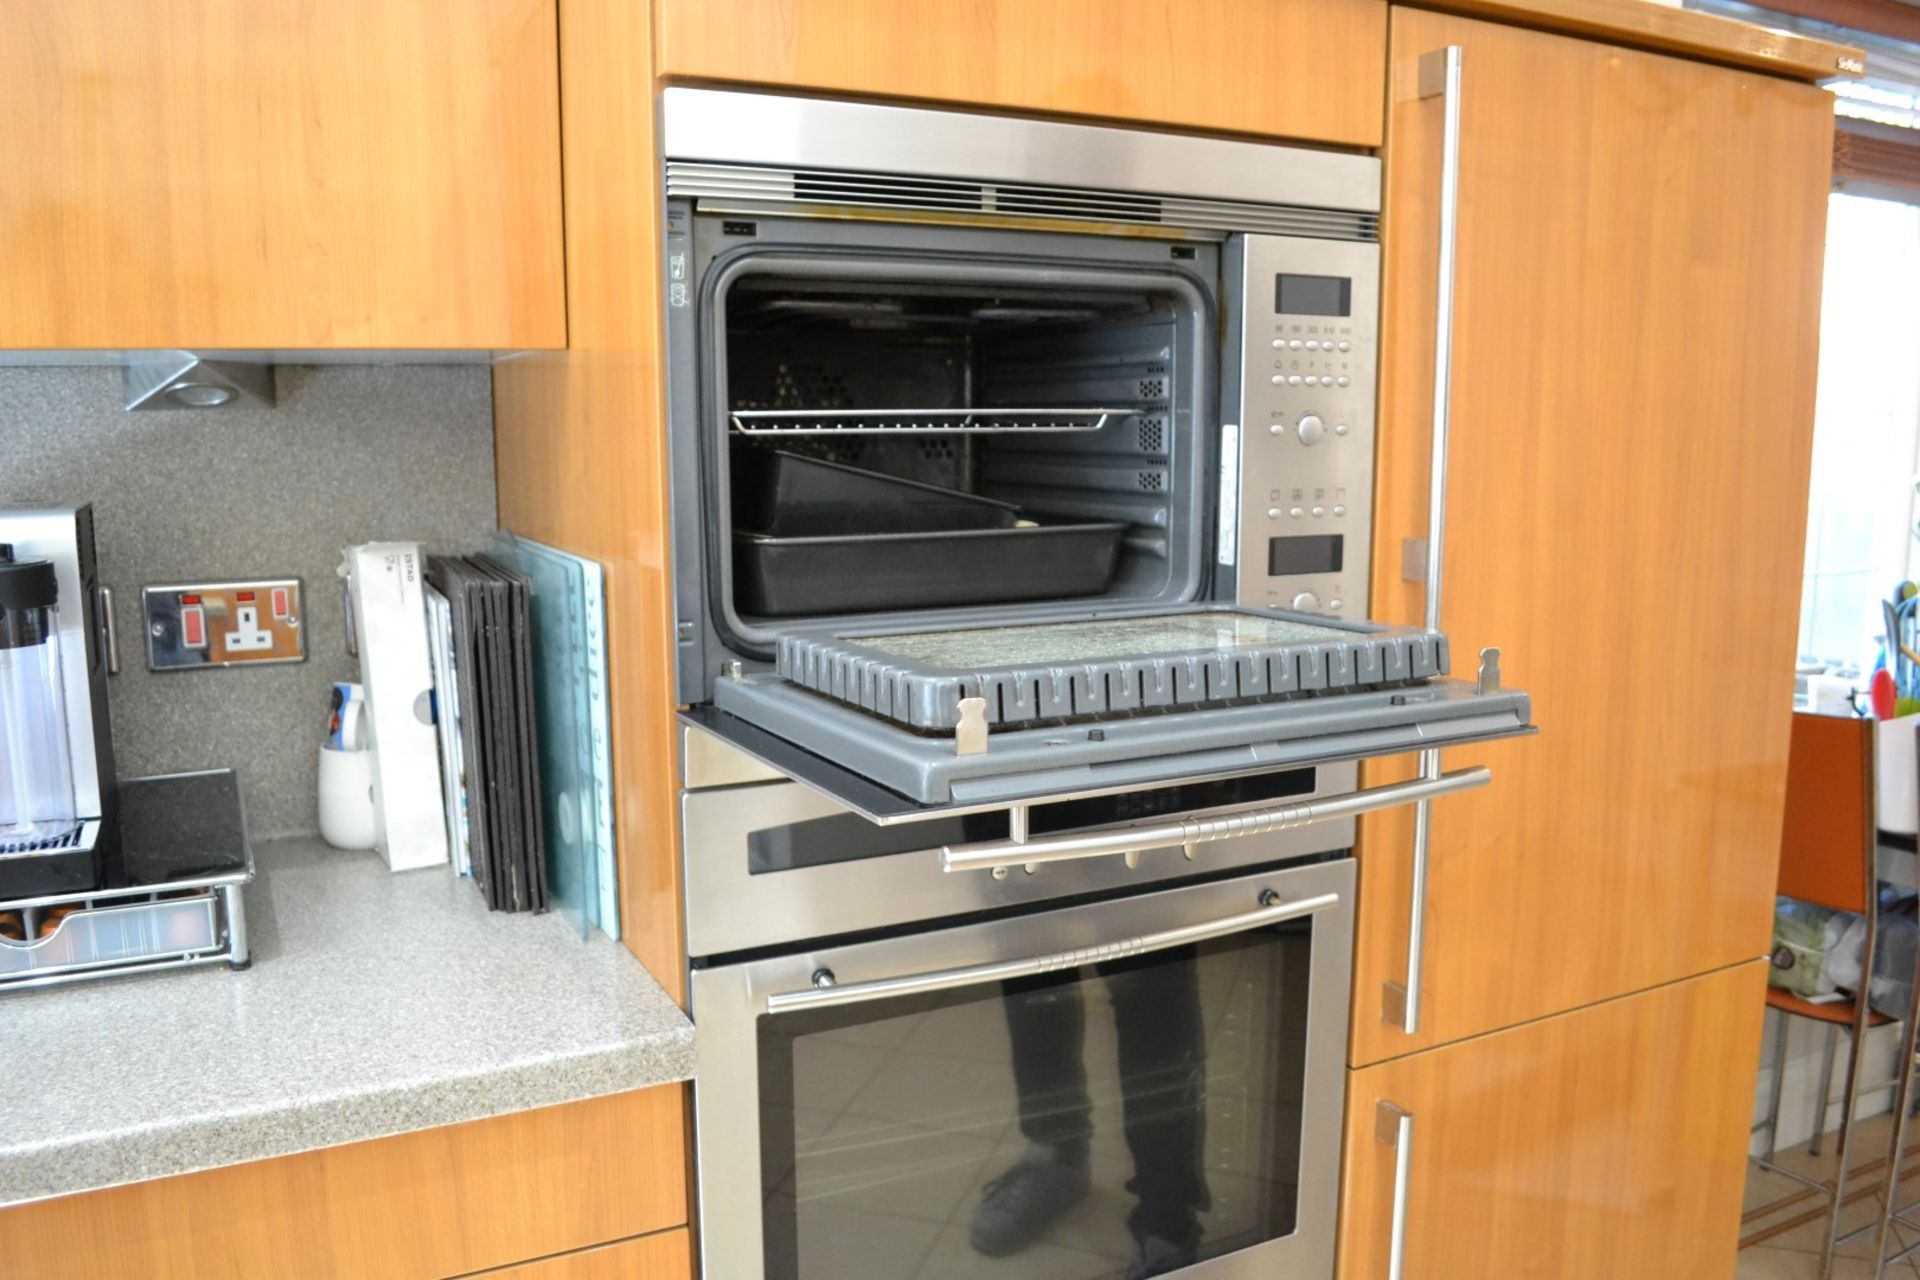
x=1141, y=1085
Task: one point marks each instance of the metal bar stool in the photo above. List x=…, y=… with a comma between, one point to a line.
x=1828, y=846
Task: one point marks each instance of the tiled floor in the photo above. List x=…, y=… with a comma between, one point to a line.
x=1794, y=1255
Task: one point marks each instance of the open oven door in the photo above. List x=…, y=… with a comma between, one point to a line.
x=895, y=728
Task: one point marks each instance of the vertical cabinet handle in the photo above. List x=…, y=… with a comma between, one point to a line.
x=1393, y=1127
x=109, y=631
x=1439, y=77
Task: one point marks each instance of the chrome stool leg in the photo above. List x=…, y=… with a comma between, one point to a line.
x=1826, y=1089
x=1779, y=1078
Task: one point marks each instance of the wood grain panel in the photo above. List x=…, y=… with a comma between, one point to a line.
x=580, y=443
x=434, y=1203
x=1671, y=29
x=1640, y=251
x=666, y=1255
x=1606, y=1143
x=270, y=173
x=1308, y=69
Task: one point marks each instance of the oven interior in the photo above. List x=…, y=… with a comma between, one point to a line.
x=1071, y=402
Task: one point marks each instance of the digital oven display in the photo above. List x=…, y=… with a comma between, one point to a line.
x=1313, y=295
x=1320, y=553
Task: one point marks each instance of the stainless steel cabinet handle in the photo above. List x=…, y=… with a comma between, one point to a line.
x=1393, y=1127
x=1439, y=75
x=1272, y=910
x=1189, y=831
x=109, y=630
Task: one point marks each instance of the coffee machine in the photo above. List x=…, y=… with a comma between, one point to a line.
x=58, y=832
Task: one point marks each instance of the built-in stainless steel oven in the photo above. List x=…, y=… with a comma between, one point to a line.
x=1022, y=482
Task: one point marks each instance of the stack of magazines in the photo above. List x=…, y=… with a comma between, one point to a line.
x=479, y=615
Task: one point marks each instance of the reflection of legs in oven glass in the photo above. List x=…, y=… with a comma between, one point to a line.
x=1163, y=1078
x=1156, y=1009
x=1047, y=1022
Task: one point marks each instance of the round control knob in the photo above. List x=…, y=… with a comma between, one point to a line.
x=1306, y=602
x=1310, y=429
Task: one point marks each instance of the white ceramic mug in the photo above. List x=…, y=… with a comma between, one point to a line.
x=346, y=798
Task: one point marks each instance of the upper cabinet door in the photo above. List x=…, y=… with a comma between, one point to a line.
x=1640, y=242
x=281, y=174
x=1309, y=69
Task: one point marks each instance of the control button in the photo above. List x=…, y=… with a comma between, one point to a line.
x=1313, y=380
x=1295, y=344
x=1346, y=346
x=1279, y=379
x=1293, y=379
x=1311, y=429
x=281, y=607
x=1306, y=601
x=1312, y=345
x=1278, y=428
x=193, y=627
x=1339, y=510
x=1343, y=380
x=1341, y=429
x=1279, y=344
x=1296, y=513
x=1319, y=511
x=1273, y=513
x=1336, y=604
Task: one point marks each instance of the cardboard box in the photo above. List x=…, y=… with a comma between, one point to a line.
x=387, y=583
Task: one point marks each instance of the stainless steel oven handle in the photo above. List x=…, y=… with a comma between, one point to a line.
x=989, y=854
x=1393, y=1127
x=1439, y=76
x=825, y=993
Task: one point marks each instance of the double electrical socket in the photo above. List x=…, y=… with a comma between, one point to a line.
x=217, y=624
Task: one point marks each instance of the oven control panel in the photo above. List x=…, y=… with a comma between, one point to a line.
x=1297, y=466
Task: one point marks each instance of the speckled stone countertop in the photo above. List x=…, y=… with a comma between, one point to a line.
x=377, y=1004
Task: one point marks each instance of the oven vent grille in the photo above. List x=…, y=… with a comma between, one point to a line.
x=759, y=186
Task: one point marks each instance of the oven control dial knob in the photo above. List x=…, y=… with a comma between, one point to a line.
x=1310, y=429
x=1306, y=602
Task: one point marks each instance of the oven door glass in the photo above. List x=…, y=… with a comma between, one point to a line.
x=1131, y=1117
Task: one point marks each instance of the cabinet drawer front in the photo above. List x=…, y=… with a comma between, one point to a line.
x=1602, y=1143
x=1308, y=69
x=667, y=1255
x=1640, y=245
x=434, y=1203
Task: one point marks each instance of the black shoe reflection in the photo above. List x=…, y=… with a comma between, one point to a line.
x=1162, y=1062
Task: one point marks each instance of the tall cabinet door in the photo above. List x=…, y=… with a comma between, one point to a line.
x=1603, y=1143
x=1640, y=241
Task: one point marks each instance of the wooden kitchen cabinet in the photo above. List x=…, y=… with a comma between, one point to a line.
x=1639, y=257
x=665, y=1256
x=273, y=174
x=1599, y=1144
x=436, y=1202
x=1309, y=69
